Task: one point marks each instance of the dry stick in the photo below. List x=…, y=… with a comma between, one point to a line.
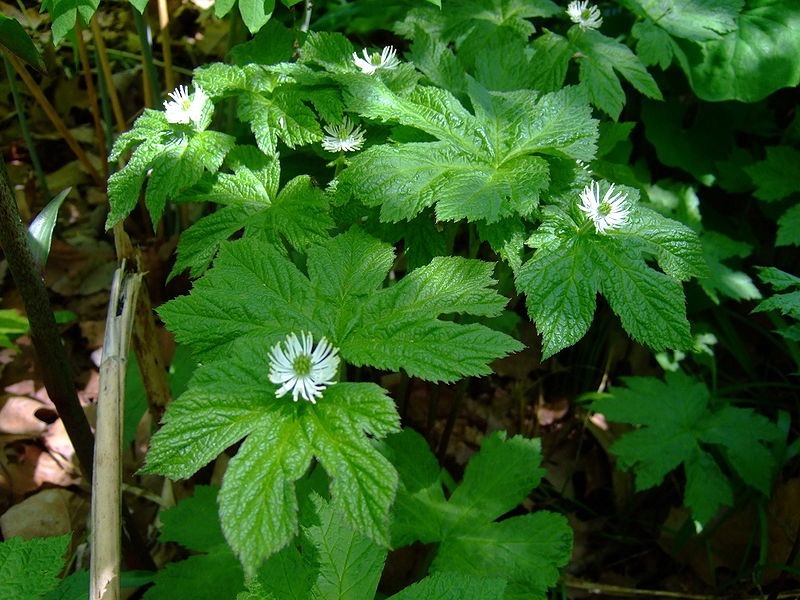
x=104, y=581
x=100, y=45
x=624, y=592
x=55, y=119
x=92, y=93
x=149, y=357
x=53, y=361
x=166, y=44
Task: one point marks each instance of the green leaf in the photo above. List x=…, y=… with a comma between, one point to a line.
x=722, y=279
x=750, y=62
x=281, y=115
x=64, y=13
x=218, y=79
x=14, y=39
x=12, y=325
x=228, y=400
x=572, y=263
x=40, y=231
x=287, y=575
x=363, y=482
x=650, y=304
x=254, y=292
x=789, y=227
x=550, y=62
x=255, y=13
x=678, y=425
x=194, y=523
x=776, y=176
x=482, y=167
x=350, y=564
x=496, y=480
x=258, y=493
x=561, y=286
x=692, y=19
x=453, y=586
x=653, y=44
x=272, y=44
x=599, y=57
x=526, y=550
x=30, y=568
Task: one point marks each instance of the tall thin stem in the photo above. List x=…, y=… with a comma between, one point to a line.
x=26, y=132
x=55, y=119
x=53, y=360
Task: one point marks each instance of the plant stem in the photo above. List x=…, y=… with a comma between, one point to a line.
x=166, y=44
x=104, y=583
x=91, y=92
x=55, y=120
x=26, y=132
x=53, y=361
x=152, y=87
x=100, y=45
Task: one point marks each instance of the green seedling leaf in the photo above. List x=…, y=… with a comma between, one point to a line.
x=216, y=573
x=525, y=551
x=14, y=39
x=30, y=568
x=40, y=231
x=679, y=427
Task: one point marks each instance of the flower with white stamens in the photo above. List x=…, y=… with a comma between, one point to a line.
x=343, y=137
x=610, y=212
x=183, y=108
x=300, y=368
x=371, y=63
x=584, y=15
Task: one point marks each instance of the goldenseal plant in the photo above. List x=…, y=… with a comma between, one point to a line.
x=457, y=167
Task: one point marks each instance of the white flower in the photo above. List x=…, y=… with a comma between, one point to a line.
x=183, y=108
x=299, y=369
x=345, y=137
x=609, y=213
x=587, y=17
x=387, y=59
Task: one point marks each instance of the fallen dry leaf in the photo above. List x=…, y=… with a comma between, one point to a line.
x=47, y=513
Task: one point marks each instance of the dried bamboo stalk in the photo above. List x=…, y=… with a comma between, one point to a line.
x=107, y=483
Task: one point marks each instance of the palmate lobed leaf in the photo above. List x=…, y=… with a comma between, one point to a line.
x=525, y=551
x=572, y=264
x=484, y=167
x=678, y=424
x=254, y=293
x=233, y=399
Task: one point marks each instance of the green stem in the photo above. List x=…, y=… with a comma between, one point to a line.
x=147, y=58
x=53, y=360
x=26, y=132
